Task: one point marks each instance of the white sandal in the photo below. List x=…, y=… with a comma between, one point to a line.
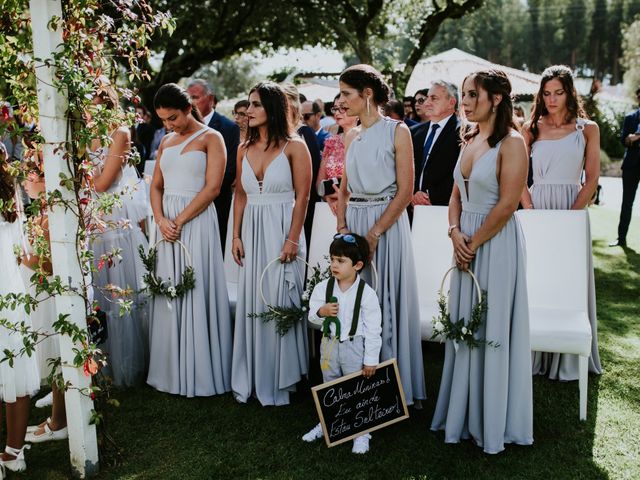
x=35, y=428
x=48, y=435
x=17, y=464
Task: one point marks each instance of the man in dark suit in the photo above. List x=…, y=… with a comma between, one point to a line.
x=436, y=146
x=204, y=99
x=630, y=137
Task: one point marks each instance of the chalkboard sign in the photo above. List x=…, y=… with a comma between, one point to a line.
x=353, y=405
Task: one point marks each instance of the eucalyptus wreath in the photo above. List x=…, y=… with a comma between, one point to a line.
x=157, y=286
x=460, y=331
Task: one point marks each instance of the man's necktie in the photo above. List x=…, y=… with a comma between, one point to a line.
x=426, y=149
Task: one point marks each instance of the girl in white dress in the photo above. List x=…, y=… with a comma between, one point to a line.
x=22, y=380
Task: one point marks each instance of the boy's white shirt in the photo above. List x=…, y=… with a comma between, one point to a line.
x=369, y=321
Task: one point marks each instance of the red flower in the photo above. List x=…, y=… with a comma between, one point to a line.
x=90, y=367
x=92, y=396
x=101, y=264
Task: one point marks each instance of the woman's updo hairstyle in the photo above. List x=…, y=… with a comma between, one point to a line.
x=171, y=95
x=574, y=104
x=494, y=82
x=365, y=76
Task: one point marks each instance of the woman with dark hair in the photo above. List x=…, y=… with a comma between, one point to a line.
x=332, y=166
x=376, y=187
x=485, y=392
x=190, y=336
x=274, y=169
x=19, y=381
x=563, y=144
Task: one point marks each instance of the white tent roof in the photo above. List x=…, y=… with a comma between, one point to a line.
x=454, y=65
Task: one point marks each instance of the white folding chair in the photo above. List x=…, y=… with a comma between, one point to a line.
x=433, y=254
x=557, y=285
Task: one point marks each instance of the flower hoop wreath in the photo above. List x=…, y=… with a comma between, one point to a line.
x=156, y=285
x=459, y=331
x=286, y=317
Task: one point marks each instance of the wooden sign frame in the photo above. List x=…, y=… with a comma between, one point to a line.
x=325, y=431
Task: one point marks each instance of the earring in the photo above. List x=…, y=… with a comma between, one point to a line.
x=493, y=109
x=368, y=107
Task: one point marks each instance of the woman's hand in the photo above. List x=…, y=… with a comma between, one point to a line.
x=237, y=250
x=372, y=240
x=368, y=370
x=462, y=252
x=169, y=230
x=289, y=251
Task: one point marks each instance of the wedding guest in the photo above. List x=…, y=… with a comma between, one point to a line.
x=409, y=104
x=21, y=380
x=126, y=344
x=274, y=179
x=394, y=109
x=355, y=345
x=630, y=137
x=563, y=145
x=485, y=392
x=190, y=335
x=332, y=166
x=240, y=117
x=311, y=114
x=420, y=105
x=376, y=187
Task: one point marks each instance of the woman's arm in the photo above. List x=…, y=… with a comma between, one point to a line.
x=526, y=200
x=239, y=202
x=300, y=161
x=118, y=152
x=216, y=162
x=404, y=180
x=156, y=191
x=591, y=166
x=512, y=177
x=343, y=194
x=462, y=254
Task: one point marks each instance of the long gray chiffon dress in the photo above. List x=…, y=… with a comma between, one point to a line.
x=371, y=173
x=264, y=363
x=557, y=168
x=126, y=344
x=190, y=337
x=485, y=392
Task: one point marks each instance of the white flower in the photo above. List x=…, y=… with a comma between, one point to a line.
x=304, y=309
x=172, y=292
x=464, y=330
x=438, y=327
x=305, y=296
x=143, y=284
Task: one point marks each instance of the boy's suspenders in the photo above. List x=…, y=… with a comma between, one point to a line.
x=356, y=308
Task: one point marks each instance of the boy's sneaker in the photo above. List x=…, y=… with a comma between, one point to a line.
x=314, y=434
x=361, y=444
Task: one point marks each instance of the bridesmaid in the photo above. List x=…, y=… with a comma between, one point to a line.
x=190, y=337
x=377, y=184
x=563, y=144
x=274, y=168
x=126, y=344
x=485, y=393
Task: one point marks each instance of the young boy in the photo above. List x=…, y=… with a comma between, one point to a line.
x=355, y=304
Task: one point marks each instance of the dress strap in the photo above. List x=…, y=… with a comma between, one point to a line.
x=191, y=138
x=580, y=123
x=285, y=146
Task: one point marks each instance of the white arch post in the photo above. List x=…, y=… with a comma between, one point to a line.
x=63, y=226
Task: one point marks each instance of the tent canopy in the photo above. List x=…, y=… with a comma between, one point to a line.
x=454, y=65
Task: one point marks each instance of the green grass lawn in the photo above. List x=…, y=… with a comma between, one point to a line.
x=163, y=436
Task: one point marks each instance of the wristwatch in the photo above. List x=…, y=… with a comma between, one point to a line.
x=451, y=229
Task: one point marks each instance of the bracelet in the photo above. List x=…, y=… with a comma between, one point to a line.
x=376, y=235
x=291, y=241
x=340, y=228
x=236, y=237
x=451, y=229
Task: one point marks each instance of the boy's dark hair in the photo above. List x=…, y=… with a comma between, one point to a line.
x=356, y=252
